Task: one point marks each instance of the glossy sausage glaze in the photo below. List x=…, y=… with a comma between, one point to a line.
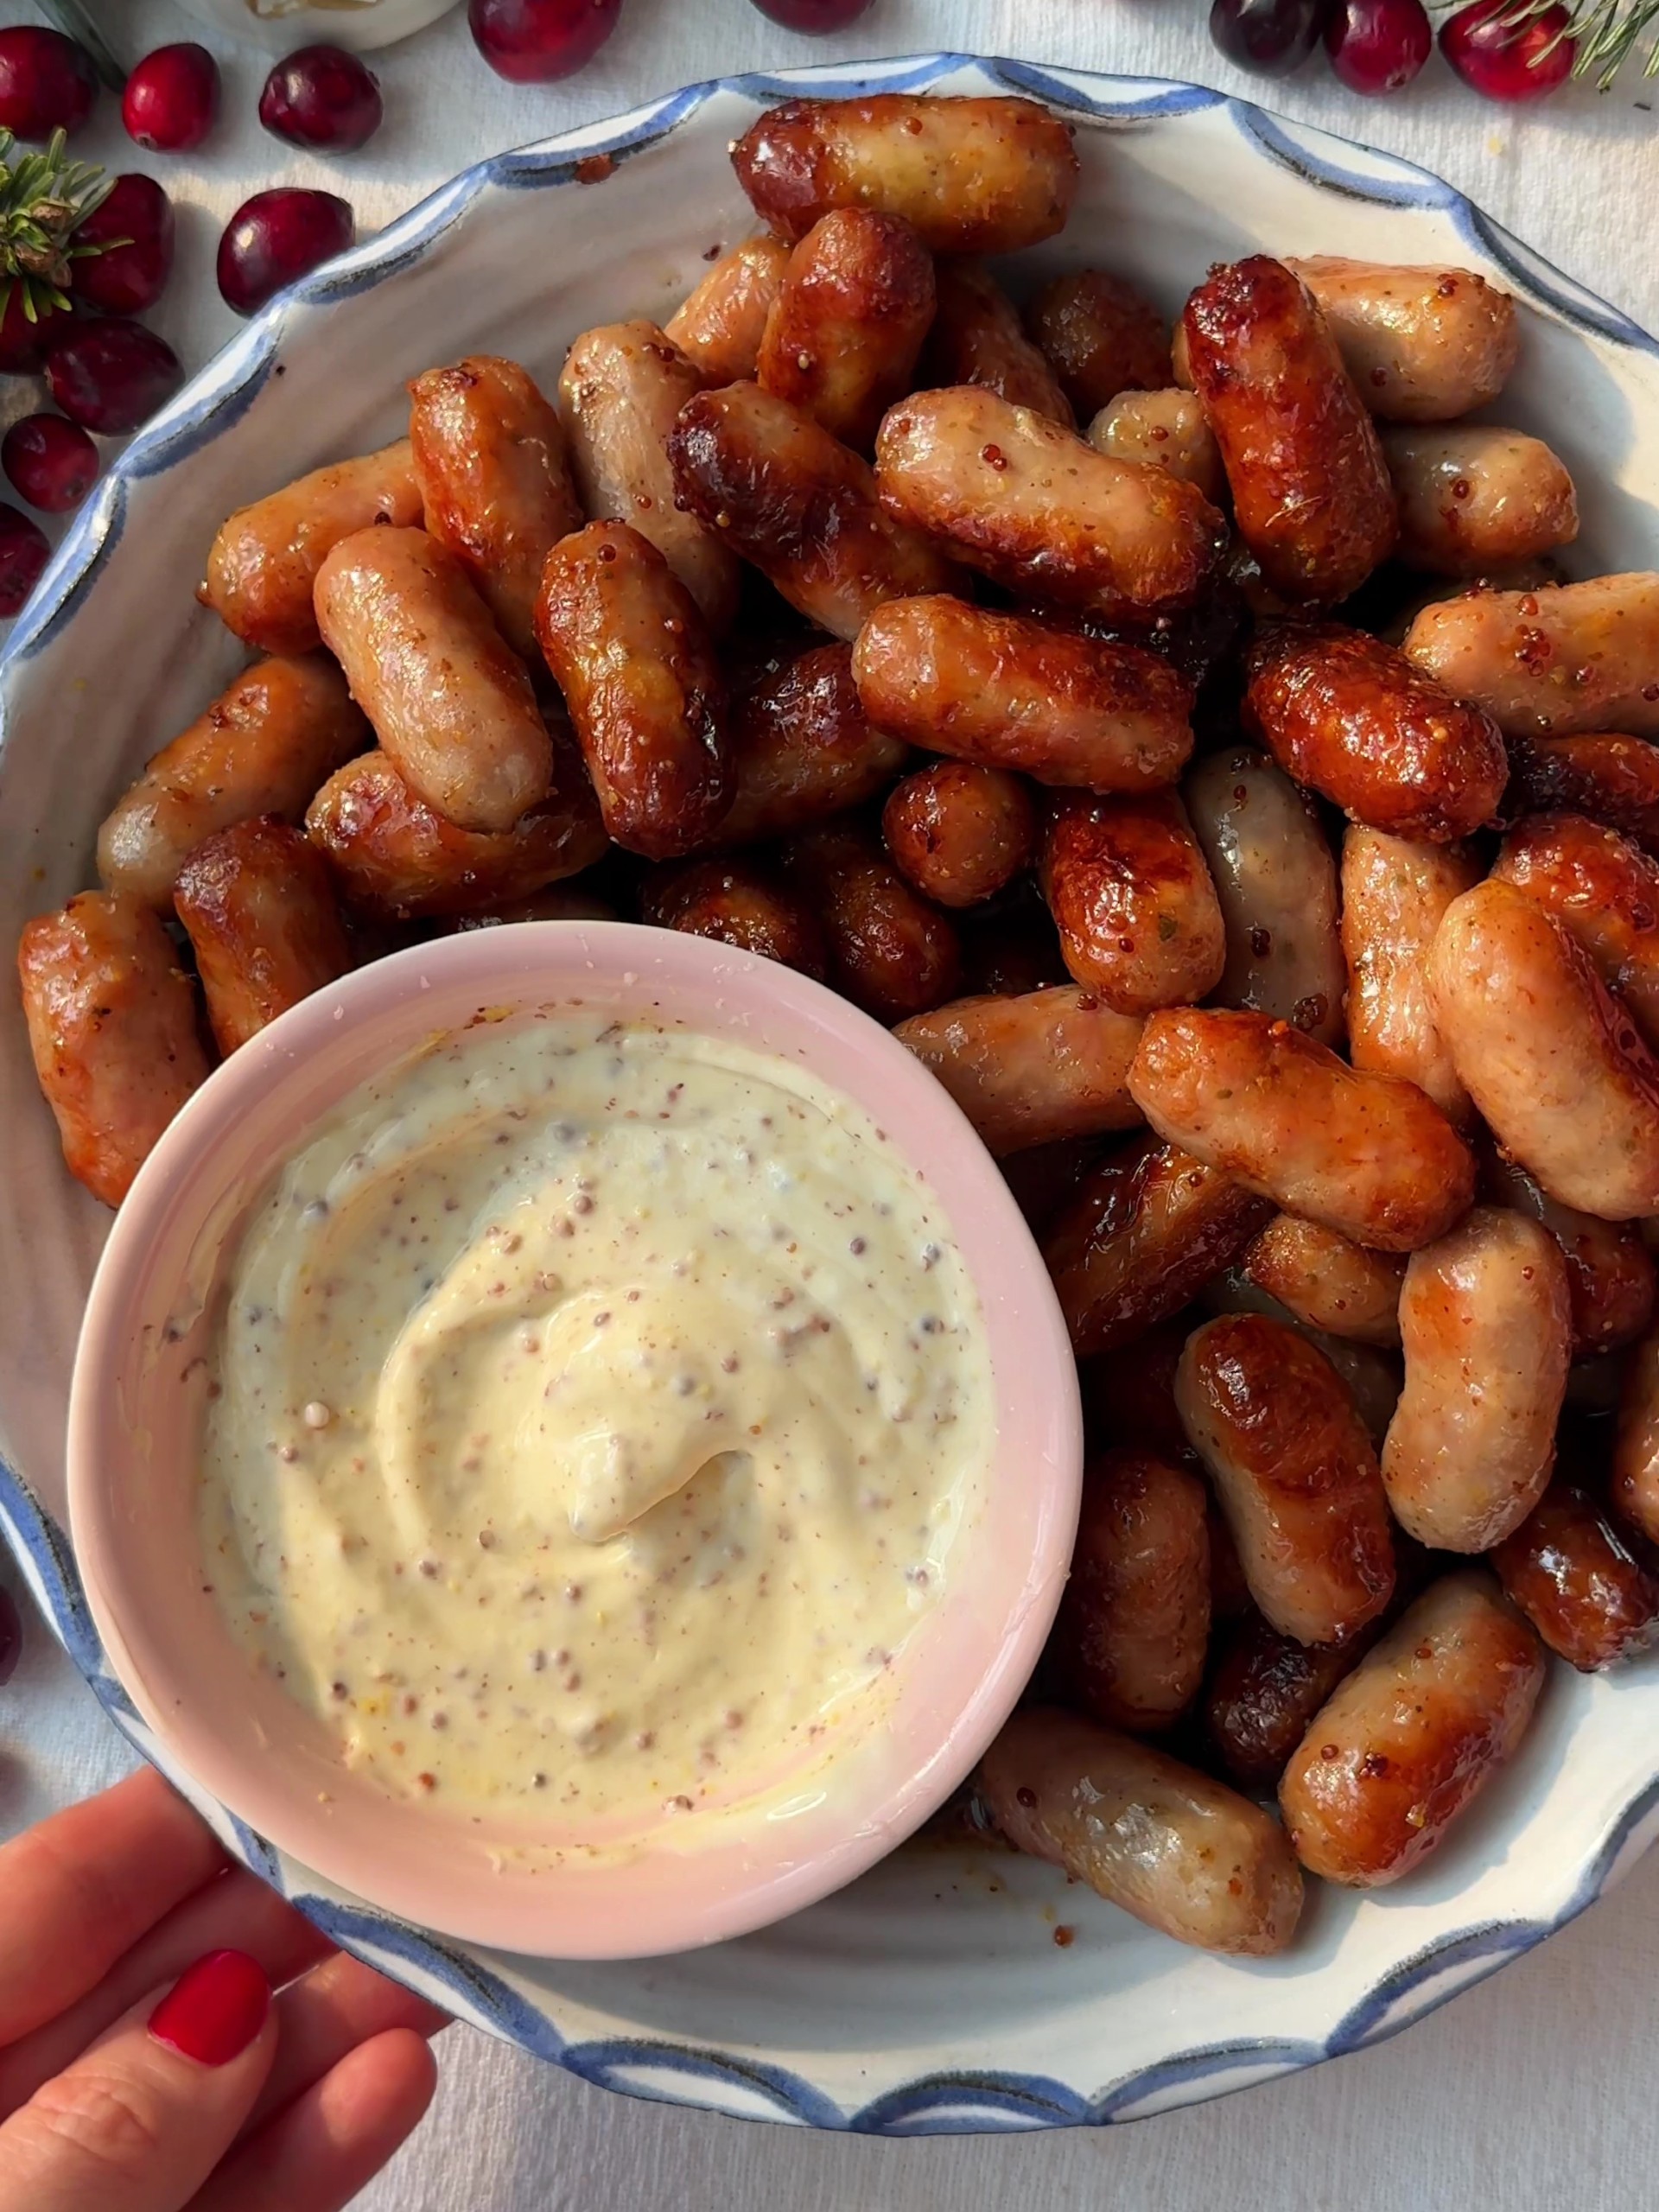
x=1610, y=1271
x=1327, y=1280
x=843, y=333
x=1395, y=893
x=1102, y=336
x=738, y=902
x=803, y=748
x=1264, y=1690
x=1554, y=662
x=1132, y=898
x=1032, y=1069
x=960, y=832
x=890, y=952
x=1165, y=428
x=1474, y=499
x=258, y=906
x=1577, y=1581
x=1604, y=890
x=1612, y=780
x=1421, y=345
x=718, y=326
x=977, y=338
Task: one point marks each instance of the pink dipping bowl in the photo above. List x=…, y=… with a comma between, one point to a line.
x=135, y=1410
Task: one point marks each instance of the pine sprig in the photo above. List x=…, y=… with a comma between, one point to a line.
x=44, y=199
x=1607, y=33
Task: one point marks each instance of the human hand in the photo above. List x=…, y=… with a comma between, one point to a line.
x=145, y=2065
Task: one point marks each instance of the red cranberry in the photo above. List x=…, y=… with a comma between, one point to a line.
x=273, y=238
x=1267, y=37
x=126, y=279
x=110, y=376
x=813, y=16
x=531, y=41
x=52, y=463
x=1507, y=60
x=320, y=97
x=23, y=553
x=1378, y=46
x=172, y=99
x=23, y=343
x=46, y=82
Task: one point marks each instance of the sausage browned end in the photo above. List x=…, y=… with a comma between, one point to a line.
x=1352, y=717
x=1180, y=1851
x=1395, y=893
x=719, y=325
x=1604, y=890
x=112, y=1028
x=845, y=329
x=1611, y=779
x=959, y=831
x=1328, y=1281
x=890, y=952
x=257, y=904
x=803, y=748
x=1554, y=662
x=1578, y=1582
x=1264, y=1690
x=1132, y=898
x=1102, y=337
x=976, y=337
x=1036, y=1068
x=1416, y=1730
x=1421, y=345
x=740, y=902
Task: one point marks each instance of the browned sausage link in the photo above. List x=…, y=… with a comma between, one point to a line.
x=1184, y=1853
x=1635, y=1488
x=737, y=902
x=448, y=698
x=798, y=505
x=1295, y=1472
x=1421, y=345
x=1039, y=510
x=1420, y=1725
x=1575, y=1579
x=262, y=747
x=396, y=859
x=490, y=460
x=1610, y=1272
x=1128, y=1399
x=1100, y=336
x=890, y=952
x=1011, y=947
x=1277, y=882
x=1167, y=429
x=1395, y=892
x=1554, y=662
x=1132, y=901
x=971, y=175
x=1328, y=1281
x=1611, y=779
x=112, y=1028
x=1367, y=1155
x=1264, y=1689
x=263, y=563
x=1148, y=1228
x=1130, y=1637
x=1031, y=1070
x=718, y=326
x=629, y=649
x=1351, y=716
x=621, y=389
x=1473, y=499
x=976, y=338
x=1555, y=1066
x=803, y=749
x=1372, y=1376
x=960, y=832
x=849, y=322
x=1311, y=491
x=1605, y=891
x=258, y=906
x=1010, y=692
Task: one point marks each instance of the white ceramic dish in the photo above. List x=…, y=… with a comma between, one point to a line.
x=281, y=25
x=931, y=1996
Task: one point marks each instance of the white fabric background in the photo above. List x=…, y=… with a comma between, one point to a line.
x=1534, y=2091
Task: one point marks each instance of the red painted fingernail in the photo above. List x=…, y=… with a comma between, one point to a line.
x=214, y=2009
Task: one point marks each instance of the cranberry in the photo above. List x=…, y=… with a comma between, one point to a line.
x=320, y=97
x=1507, y=60
x=1378, y=46
x=23, y=553
x=52, y=463
x=23, y=343
x=126, y=279
x=273, y=238
x=109, y=376
x=46, y=82
x=1267, y=37
x=172, y=99
x=813, y=16
x=532, y=42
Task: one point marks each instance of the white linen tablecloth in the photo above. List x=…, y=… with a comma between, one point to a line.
x=1532, y=2092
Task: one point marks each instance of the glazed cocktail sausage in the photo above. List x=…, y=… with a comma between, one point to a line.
x=844, y=331
x=718, y=326
x=1102, y=336
x=1577, y=1581
x=1327, y=1280
x=959, y=831
x=1612, y=780
x=890, y=952
x=258, y=906
x=1554, y=662
x=1132, y=898
x=1032, y=1069
x=1604, y=890
x=1610, y=1271
x=1421, y=345
x=1395, y=892
x=1166, y=428
x=803, y=748
x=738, y=902
x=1473, y=499
x=1264, y=1689
x=976, y=337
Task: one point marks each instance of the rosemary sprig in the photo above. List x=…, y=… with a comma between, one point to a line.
x=44, y=199
x=1607, y=34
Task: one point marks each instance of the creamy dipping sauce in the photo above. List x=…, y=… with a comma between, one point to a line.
x=593, y=1408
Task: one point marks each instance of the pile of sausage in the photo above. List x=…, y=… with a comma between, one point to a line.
x=1183, y=741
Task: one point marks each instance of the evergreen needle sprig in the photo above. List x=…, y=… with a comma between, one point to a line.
x=44, y=199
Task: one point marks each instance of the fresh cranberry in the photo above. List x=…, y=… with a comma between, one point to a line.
x=813, y=16
x=23, y=553
x=52, y=463
x=110, y=376
x=1507, y=60
x=321, y=98
x=126, y=279
x=1267, y=37
x=531, y=41
x=172, y=99
x=23, y=343
x=1378, y=46
x=46, y=82
x=273, y=238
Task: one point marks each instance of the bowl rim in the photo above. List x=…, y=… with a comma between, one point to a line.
x=664, y=2066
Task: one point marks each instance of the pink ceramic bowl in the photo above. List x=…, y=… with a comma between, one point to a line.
x=136, y=1403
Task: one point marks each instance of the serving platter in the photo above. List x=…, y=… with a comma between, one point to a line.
x=946, y=1990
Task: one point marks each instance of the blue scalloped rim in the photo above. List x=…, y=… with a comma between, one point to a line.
x=943, y=2103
